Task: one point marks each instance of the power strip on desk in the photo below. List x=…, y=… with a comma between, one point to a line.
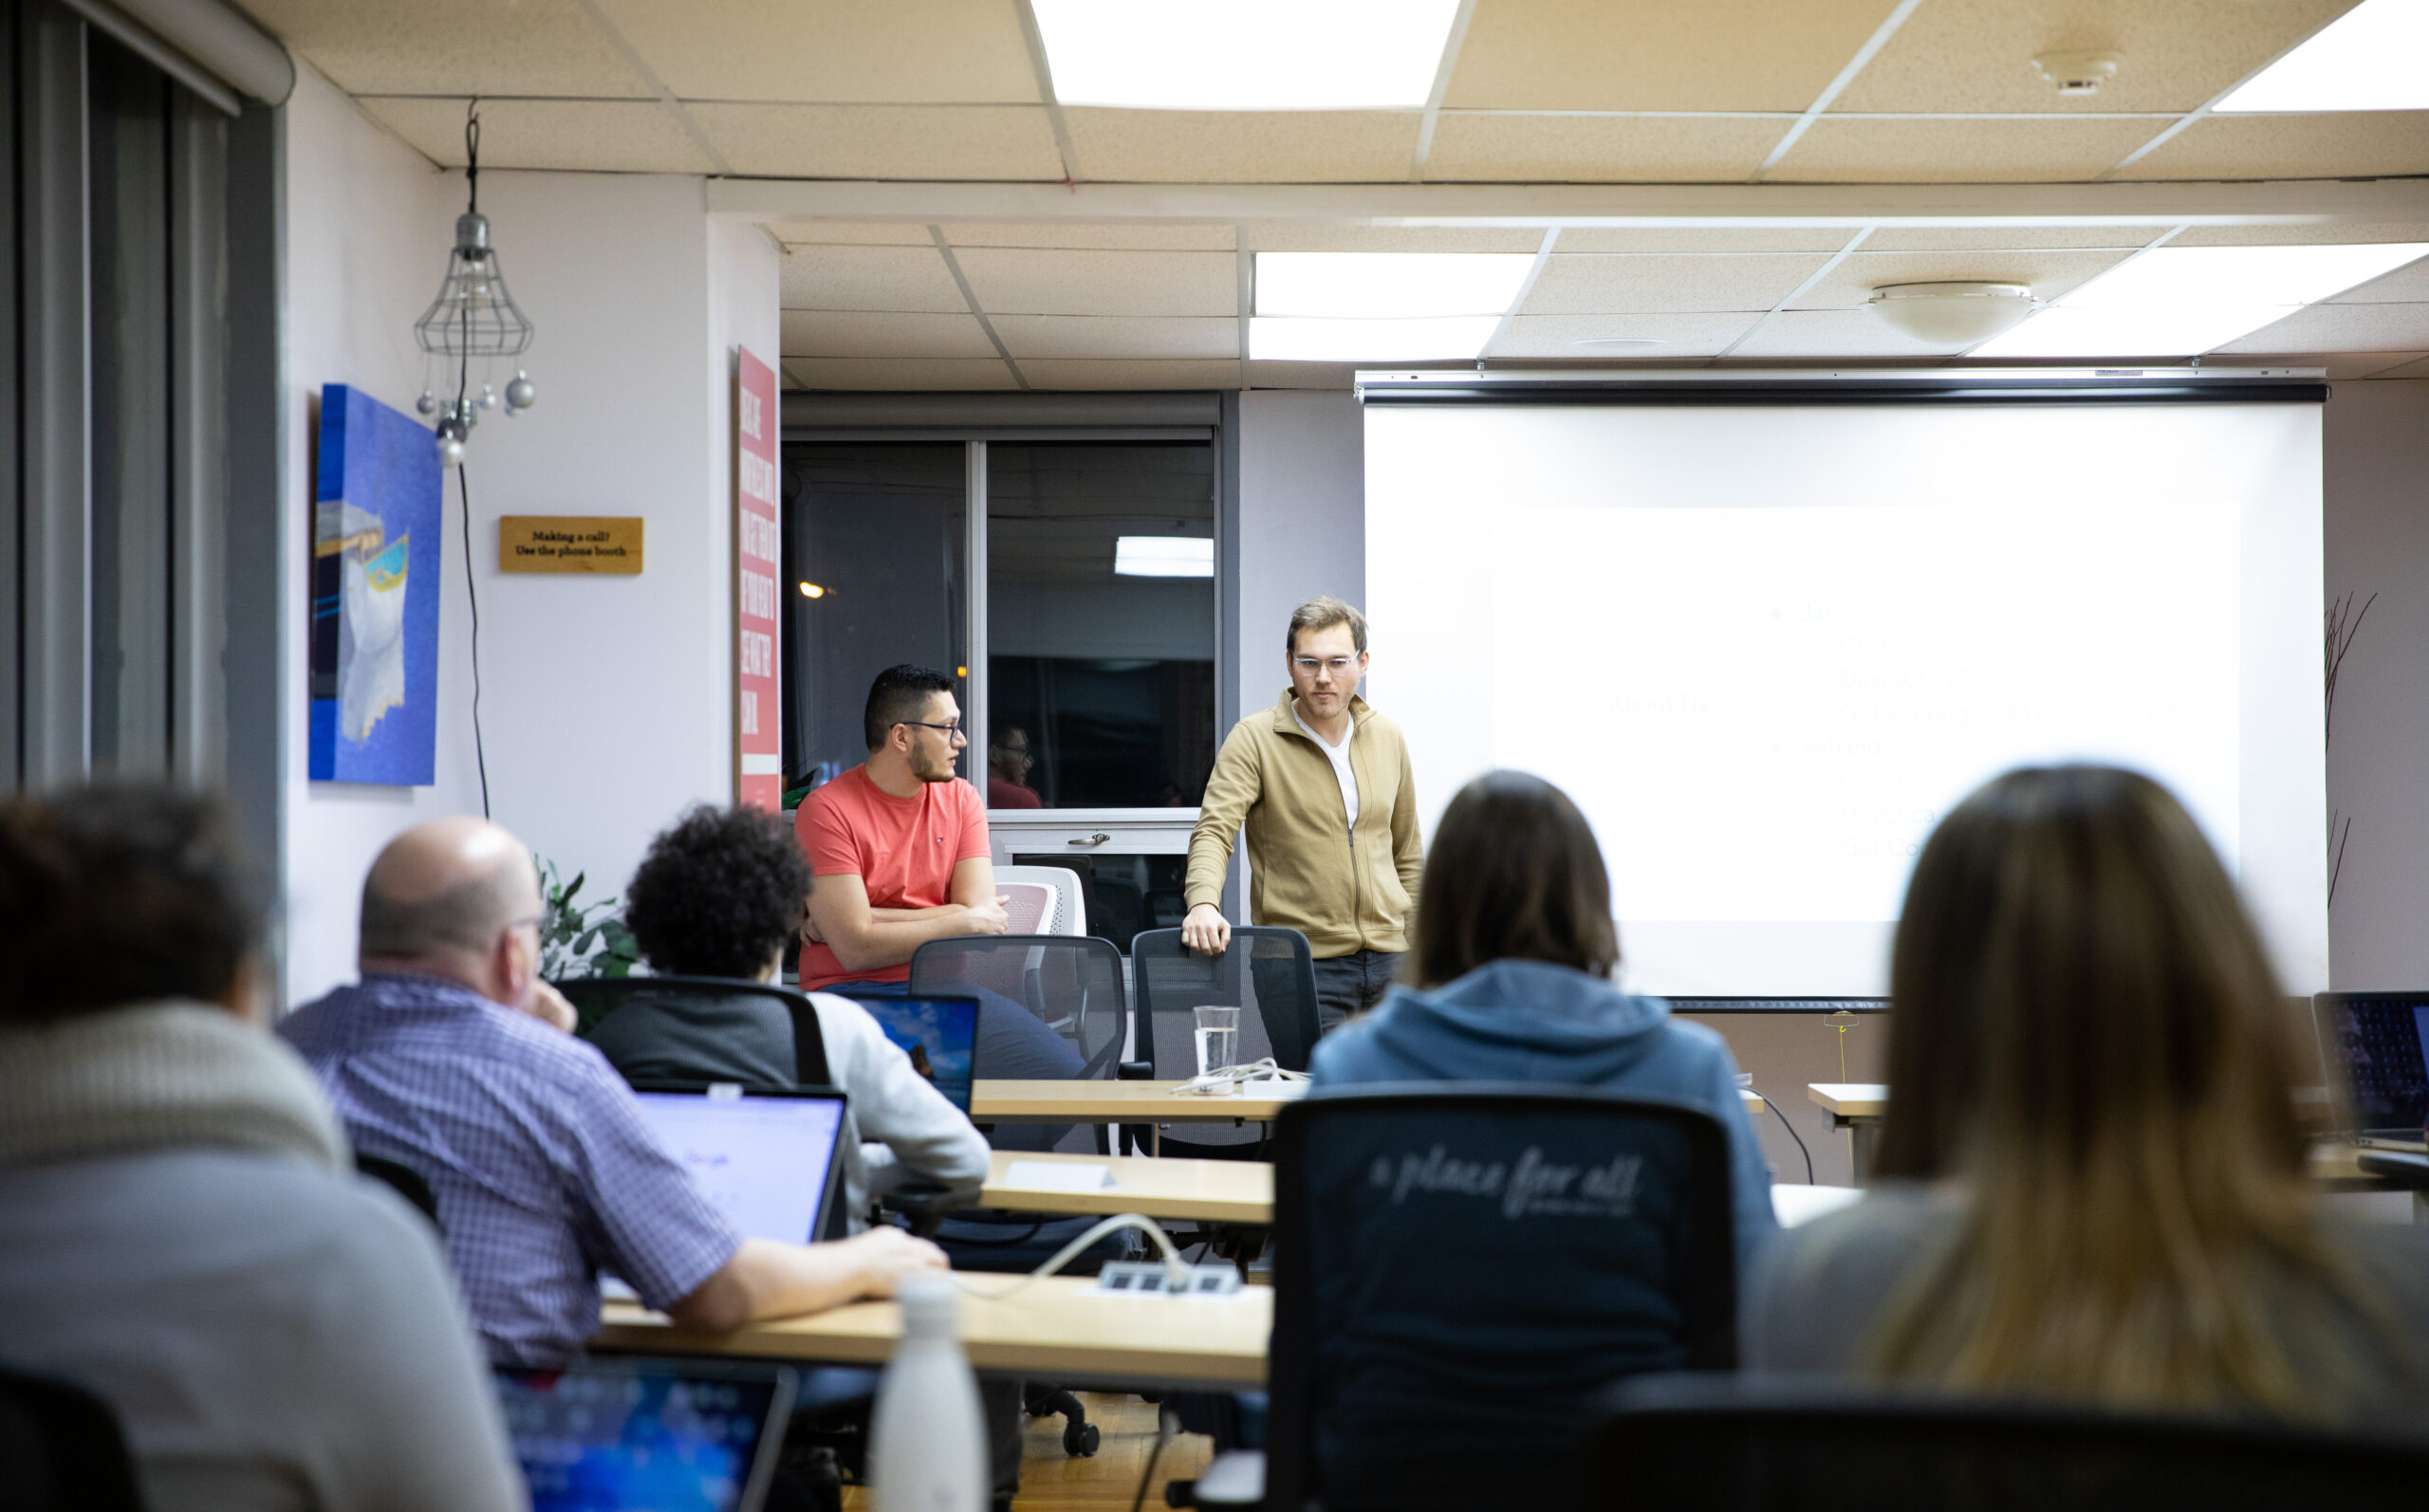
x=1144, y=1278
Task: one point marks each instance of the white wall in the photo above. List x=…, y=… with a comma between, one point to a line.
x=1301, y=525
x=606, y=702
x=2378, y=760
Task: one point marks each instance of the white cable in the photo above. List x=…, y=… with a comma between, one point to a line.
x=1175, y=1268
x=1223, y=1079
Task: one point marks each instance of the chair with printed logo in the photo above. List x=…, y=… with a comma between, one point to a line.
x=1460, y=1271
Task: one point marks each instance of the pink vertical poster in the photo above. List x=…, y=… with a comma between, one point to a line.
x=758, y=742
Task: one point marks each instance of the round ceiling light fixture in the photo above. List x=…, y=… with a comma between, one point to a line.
x=2076, y=72
x=1959, y=314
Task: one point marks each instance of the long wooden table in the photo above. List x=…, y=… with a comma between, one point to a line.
x=1060, y=1328
x=1000, y=1101
x=1223, y=1191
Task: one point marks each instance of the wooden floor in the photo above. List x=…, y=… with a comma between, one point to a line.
x=1054, y=1481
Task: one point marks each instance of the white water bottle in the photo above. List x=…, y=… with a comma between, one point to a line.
x=928, y=1439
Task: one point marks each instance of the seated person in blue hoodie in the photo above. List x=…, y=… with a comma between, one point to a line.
x=1509, y=979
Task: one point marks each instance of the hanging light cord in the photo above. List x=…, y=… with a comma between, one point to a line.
x=472, y=597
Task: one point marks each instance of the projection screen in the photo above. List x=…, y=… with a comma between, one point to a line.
x=1766, y=647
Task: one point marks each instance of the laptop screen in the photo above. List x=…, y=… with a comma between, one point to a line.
x=606, y=1435
x=764, y=1160
x=940, y=1034
x=2377, y=1043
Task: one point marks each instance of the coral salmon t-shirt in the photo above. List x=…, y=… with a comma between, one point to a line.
x=903, y=849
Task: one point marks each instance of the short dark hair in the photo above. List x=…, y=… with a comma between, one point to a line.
x=896, y=698
x=720, y=893
x=115, y=893
x=1514, y=871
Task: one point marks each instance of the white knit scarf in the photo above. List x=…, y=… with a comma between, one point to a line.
x=157, y=1076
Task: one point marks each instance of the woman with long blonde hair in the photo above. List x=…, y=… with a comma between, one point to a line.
x=2091, y=1183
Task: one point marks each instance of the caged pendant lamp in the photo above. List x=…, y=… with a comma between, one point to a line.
x=473, y=318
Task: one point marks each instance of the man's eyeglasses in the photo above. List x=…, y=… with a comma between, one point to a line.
x=1336, y=665
x=951, y=731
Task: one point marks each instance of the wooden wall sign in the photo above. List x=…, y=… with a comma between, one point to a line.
x=569, y=542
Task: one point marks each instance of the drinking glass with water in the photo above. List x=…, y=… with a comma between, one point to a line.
x=1218, y=1037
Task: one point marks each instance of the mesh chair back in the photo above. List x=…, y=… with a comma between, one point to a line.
x=60, y=1449
x=1267, y=974
x=1071, y=982
x=595, y=996
x=1718, y=1445
x=1459, y=1270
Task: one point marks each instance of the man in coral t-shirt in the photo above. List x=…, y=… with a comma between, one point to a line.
x=898, y=855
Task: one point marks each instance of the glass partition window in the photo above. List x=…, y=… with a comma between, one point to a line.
x=1099, y=623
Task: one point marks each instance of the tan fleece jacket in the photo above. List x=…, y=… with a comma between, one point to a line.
x=1344, y=890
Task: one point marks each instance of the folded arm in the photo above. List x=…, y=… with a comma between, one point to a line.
x=867, y=939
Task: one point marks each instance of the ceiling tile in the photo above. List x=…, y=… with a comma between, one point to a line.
x=2299, y=235
x=453, y=46
x=1594, y=285
x=1847, y=151
x=1702, y=239
x=1117, y=336
x=1244, y=146
x=2343, y=367
x=1658, y=54
x=1677, y=336
x=852, y=333
x=883, y=142
x=2347, y=144
x=1052, y=374
x=1850, y=284
x=1849, y=333
x=903, y=51
x=1299, y=236
x=2409, y=370
x=2407, y=284
x=899, y=373
x=840, y=232
x=868, y=278
x=2007, y=238
x=1598, y=148
x=2342, y=328
x=1026, y=282
x=2174, y=55
x=1082, y=236
x=599, y=136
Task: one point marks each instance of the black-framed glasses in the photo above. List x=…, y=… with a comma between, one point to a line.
x=951, y=731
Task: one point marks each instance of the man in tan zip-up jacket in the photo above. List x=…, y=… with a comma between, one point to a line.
x=1323, y=785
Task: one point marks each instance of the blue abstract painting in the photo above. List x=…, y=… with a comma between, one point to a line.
x=375, y=595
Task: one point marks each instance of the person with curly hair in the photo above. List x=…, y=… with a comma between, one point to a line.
x=719, y=895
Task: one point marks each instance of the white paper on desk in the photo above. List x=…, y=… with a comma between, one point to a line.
x=1053, y=1175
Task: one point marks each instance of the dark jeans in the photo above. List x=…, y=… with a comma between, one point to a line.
x=1348, y=984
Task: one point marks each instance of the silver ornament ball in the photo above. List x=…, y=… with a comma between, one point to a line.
x=520, y=394
x=426, y=404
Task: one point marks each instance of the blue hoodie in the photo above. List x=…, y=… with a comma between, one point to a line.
x=1530, y=1021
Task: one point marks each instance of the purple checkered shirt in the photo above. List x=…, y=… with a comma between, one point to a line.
x=535, y=1148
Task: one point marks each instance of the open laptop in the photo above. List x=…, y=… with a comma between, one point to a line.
x=2374, y=1049
x=939, y=1034
x=766, y=1160
x=604, y=1435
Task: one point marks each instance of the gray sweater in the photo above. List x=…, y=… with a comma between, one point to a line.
x=1822, y=1289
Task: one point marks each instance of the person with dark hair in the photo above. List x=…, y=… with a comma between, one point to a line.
x=1509, y=977
x=544, y=1167
x=1321, y=786
x=2091, y=1185
x=898, y=853
x=181, y=1229
x=1008, y=760
x=719, y=895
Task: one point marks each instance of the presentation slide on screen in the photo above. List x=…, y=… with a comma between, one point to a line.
x=1766, y=648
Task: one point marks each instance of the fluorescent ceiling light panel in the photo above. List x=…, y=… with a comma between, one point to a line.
x=2374, y=57
x=1244, y=54
x=2241, y=275
x=2174, y=331
x=1388, y=285
x=1300, y=339
x=1163, y=557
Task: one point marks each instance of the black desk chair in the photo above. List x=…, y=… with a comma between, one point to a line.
x=595, y=996
x=1786, y=1444
x=60, y=1449
x=407, y=1182
x=1460, y=1270
x=1071, y=984
x=1268, y=974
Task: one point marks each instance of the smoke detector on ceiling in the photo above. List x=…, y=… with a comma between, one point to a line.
x=1958, y=314
x=2077, y=73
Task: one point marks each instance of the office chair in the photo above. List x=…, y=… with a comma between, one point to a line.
x=595, y=996
x=1268, y=973
x=407, y=1182
x=60, y=1449
x=1800, y=1444
x=1460, y=1268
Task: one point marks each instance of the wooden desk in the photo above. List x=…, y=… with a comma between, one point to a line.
x=1057, y=1329
x=1857, y=1107
x=1224, y=1191
x=997, y=1102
